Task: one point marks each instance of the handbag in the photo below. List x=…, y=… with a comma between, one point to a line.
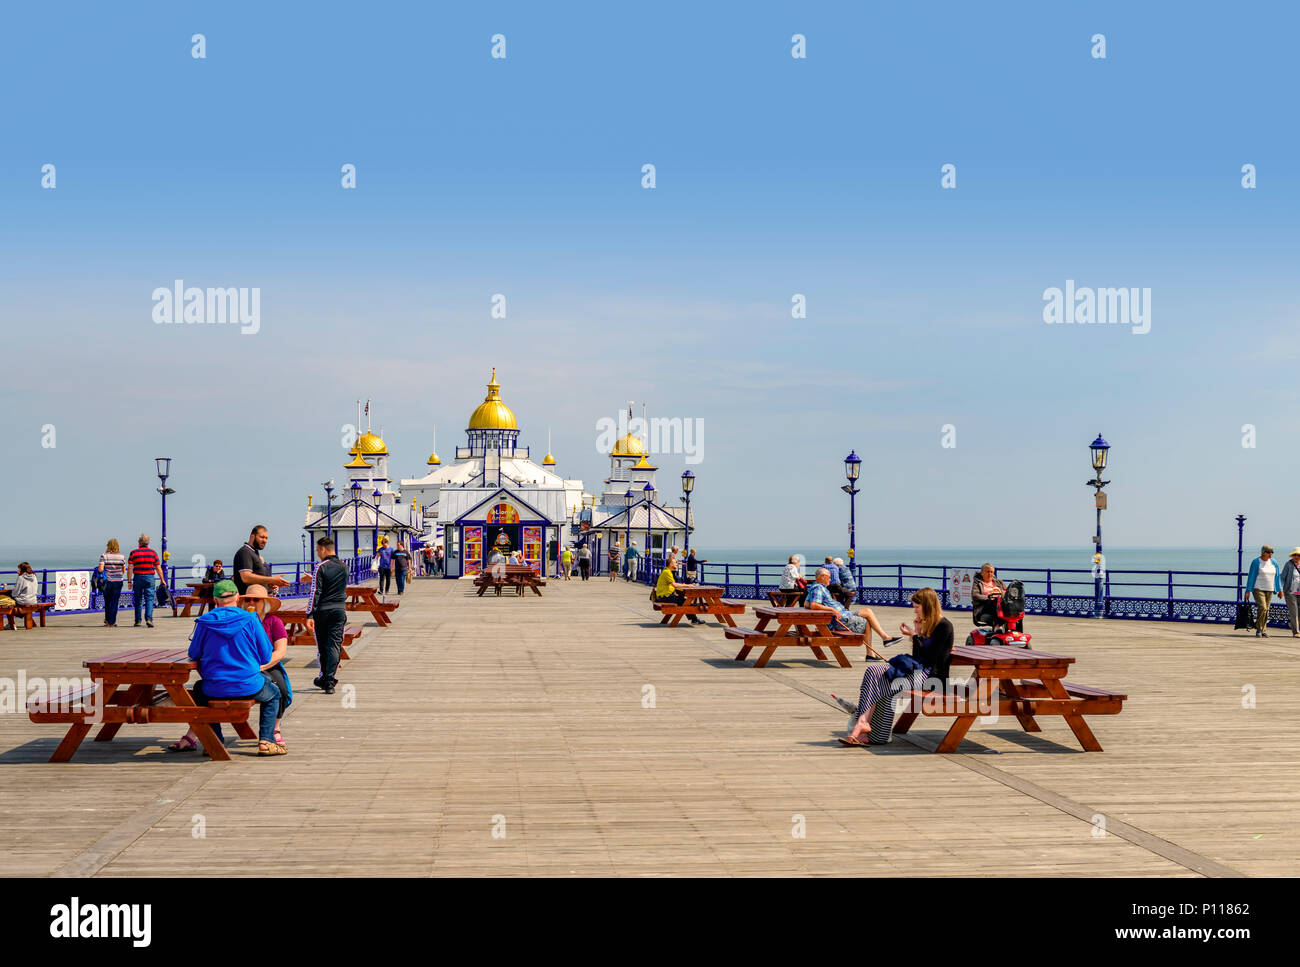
x=1245, y=615
x=97, y=581
x=374, y=565
x=160, y=596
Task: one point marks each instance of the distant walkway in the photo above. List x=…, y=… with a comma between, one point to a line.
x=571, y=734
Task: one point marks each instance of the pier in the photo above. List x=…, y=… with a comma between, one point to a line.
x=571, y=734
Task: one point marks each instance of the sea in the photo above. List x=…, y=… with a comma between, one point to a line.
x=880, y=565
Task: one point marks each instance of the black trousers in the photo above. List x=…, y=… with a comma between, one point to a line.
x=385, y=579
x=584, y=568
x=329, y=640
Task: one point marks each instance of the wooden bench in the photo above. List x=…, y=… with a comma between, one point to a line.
x=189, y=600
x=795, y=626
x=27, y=611
x=298, y=635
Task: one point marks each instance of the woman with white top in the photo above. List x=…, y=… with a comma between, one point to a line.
x=1264, y=581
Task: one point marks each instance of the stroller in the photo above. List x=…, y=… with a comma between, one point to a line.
x=1001, y=620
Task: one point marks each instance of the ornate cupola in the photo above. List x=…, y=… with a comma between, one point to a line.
x=492, y=425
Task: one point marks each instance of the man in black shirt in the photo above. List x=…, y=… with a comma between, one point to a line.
x=250, y=568
x=401, y=565
x=327, y=617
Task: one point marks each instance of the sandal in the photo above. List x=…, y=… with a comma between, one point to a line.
x=845, y=740
x=185, y=743
x=279, y=739
x=271, y=748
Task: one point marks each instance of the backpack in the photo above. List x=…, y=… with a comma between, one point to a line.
x=1013, y=601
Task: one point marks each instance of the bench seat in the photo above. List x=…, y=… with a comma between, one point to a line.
x=307, y=639
x=26, y=611
x=743, y=633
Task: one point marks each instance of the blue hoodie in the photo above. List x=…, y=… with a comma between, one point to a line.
x=1254, y=575
x=230, y=646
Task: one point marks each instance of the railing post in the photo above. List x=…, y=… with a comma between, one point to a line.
x=1049, y=591
x=899, y=599
x=756, y=581
x=943, y=584
x=1170, y=611
x=45, y=582
x=1105, y=604
x=726, y=576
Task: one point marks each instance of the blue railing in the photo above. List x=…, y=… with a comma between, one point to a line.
x=298, y=573
x=1204, y=596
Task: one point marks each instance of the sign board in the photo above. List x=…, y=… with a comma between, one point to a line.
x=1101, y=501
x=71, y=590
x=959, y=584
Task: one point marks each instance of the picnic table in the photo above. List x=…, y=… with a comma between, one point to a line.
x=295, y=624
x=365, y=597
x=794, y=626
x=26, y=611
x=1013, y=681
x=518, y=576
x=785, y=599
x=700, y=599
x=127, y=688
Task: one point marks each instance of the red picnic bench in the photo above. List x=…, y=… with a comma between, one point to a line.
x=27, y=611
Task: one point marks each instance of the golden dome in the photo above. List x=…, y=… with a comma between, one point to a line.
x=628, y=446
x=643, y=464
x=433, y=460
x=369, y=444
x=549, y=461
x=356, y=464
x=492, y=414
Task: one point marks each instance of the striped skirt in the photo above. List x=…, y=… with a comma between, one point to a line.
x=882, y=694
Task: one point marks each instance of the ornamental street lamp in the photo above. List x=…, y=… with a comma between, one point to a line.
x=649, y=491
x=164, y=471
x=1100, y=449
x=376, y=495
x=627, y=541
x=852, y=467
x=688, y=484
x=329, y=508
x=1241, y=524
x=356, y=522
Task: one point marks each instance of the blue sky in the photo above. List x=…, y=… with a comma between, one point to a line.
x=775, y=176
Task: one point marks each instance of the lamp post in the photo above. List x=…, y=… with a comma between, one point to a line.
x=356, y=521
x=329, y=508
x=688, y=484
x=376, y=495
x=649, y=492
x=304, y=545
x=164, y=471
x=627, y=541
x=852, y=467
x=1241, y=525
x=1099, y=448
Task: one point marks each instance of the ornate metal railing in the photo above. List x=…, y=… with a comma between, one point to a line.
x=298, y=573
x=1063, y=592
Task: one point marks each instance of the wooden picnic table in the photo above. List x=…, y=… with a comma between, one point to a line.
x=365, y=597
x=1028, y=683
x=518, y=576
x=785, y=599
x=295, y=623
x=126, y=688
x=700, y=599
x=793, y=626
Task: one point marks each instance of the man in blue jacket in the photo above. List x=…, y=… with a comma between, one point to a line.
x=231, y=647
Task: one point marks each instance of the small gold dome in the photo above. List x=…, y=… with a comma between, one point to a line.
x=433, y=460
x=492, y=414
x=356, y=464
x=628, y=446
x=549, y=461
x=369, y=444
x=643, y=464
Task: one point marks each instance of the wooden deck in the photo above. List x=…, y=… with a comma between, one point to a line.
x=527, y=714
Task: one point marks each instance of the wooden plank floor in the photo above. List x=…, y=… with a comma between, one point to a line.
x=528, y=716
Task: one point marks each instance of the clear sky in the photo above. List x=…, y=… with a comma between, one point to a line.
x=774, y=176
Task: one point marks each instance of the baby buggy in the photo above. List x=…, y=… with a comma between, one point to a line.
x=1000, y=620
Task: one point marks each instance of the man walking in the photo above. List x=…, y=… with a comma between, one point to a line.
x=1264, y=581
x=1291, y=589
x=401, y=565
x=327, y=618
x=143, y=569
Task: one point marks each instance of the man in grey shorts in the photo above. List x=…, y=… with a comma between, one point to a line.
x=862, y=622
